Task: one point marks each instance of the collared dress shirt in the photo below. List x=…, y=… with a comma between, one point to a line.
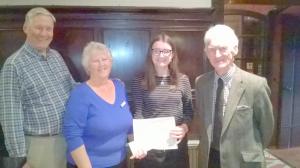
x=227, y=78
x=33, y=92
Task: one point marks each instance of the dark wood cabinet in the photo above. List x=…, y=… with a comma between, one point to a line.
x=251, y=29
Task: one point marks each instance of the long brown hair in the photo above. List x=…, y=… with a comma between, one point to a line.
x=149, y=81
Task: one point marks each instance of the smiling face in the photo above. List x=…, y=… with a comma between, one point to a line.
x=220, y=55
x=39, y=32
x=221, y=46
x=100, y=64
x=161, y=54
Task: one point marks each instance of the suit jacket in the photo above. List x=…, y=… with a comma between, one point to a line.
x=247, y=124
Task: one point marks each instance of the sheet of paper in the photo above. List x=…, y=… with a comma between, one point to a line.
x=154, y=133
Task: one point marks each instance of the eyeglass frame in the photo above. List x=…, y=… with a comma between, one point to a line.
x=165, y=52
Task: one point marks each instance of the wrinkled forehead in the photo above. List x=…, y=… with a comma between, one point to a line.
x=100, y=54
x=41, y=19
x=221, y=41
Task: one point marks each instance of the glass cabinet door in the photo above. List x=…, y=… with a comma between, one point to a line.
x=252, y=37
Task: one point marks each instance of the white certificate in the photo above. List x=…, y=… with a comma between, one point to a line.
x=154, y=133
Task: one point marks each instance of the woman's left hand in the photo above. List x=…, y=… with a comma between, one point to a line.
x=179, y=131
x=138, y=152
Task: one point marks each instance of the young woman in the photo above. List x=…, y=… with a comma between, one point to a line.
x=162, y=91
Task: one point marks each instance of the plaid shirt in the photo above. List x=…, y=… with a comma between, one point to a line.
x=227, y=78
x=33, y=93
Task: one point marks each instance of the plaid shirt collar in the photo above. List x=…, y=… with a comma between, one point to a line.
x=34, y=52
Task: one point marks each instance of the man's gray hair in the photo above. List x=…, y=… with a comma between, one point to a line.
x=35, y=12
x=221, y=31
x=86, y=54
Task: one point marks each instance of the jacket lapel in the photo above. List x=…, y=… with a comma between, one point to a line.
x=235, y=94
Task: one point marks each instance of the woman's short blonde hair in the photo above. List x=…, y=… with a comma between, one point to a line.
x=35, y=12
x=86, y=54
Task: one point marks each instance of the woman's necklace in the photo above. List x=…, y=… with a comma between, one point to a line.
x=163, y=81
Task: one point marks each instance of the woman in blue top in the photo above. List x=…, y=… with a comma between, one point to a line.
x=97, y=118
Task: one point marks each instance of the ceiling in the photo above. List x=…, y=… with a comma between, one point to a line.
x=264, y=6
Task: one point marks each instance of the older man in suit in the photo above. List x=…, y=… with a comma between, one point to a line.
x=235, y=108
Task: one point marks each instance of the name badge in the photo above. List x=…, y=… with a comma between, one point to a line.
x=123, y=104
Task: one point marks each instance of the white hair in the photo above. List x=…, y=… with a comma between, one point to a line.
x=35, y=12
x=223, y=32
x=86, y=54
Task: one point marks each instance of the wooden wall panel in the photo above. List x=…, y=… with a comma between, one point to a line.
x=190, y=52
x=10, y=41
x=70, y=43
x=129, y=50
x=129, y=32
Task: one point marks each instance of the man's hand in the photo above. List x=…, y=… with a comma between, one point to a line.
x=26, y=165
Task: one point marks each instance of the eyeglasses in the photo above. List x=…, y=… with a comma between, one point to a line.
x=165, y=52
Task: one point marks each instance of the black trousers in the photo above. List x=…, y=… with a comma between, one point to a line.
x=177, y=158
x=214, y=159
x=123, y=164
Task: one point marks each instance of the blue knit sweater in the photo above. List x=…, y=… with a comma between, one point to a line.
x=102, y=127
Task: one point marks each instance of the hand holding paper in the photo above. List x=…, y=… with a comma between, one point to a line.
x=179, y=132
x=137, y=151
x=154, y=133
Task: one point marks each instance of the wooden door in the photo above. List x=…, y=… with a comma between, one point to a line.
x=289, y=135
